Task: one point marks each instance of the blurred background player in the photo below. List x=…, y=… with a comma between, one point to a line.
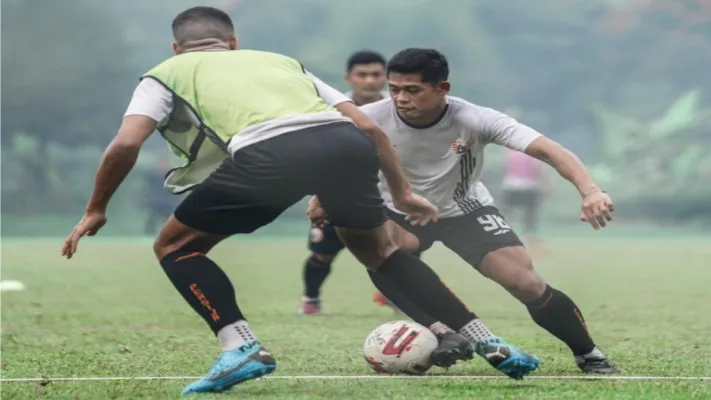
x=159, y=203
x=524, y=188
x=365, y=74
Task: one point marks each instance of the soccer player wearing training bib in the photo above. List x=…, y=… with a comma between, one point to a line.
x=440, y=141
x=258, y=133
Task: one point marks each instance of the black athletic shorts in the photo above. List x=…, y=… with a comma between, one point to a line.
x=325, y=241
x=471, y=236
x=337, y=162
x=528, y=201
x=521, y=198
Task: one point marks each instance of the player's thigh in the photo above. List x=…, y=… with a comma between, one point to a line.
x=247, y=191
x=512, y=268
x=475, y=235
x=175, y=235
x=413, y=238
x=218, y=211
x=348, y=180
x=348, y=192
x=325, y=241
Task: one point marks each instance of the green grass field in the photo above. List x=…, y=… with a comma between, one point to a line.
x=110, y=312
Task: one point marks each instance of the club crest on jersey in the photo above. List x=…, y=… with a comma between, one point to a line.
x=460, y=146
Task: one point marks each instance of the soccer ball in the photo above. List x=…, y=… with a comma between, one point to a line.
x=400, y=347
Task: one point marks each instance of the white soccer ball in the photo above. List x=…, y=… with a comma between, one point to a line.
x=400, y=347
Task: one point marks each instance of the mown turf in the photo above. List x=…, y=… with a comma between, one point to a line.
x=111, y=312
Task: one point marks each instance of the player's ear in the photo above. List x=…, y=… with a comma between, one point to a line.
x=176, y=48
x=444, y=87
x=232, y=43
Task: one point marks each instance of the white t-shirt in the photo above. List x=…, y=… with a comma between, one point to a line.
x=152, y=99
x=444, y=162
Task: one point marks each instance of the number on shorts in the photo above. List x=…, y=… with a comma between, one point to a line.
x=491, y=222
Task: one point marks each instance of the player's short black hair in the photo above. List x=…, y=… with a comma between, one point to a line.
x=200, y=23
x=364, y=57
x=429, y=63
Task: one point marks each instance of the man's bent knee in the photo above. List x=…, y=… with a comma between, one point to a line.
x=512, y=268
x=525, y=285
x=370, y=246
x=175, y=235
x=324, y=258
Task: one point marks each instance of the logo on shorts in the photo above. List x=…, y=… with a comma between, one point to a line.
x=316, y=235
x=461, y=146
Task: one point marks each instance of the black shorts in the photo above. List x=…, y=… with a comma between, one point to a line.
x=471, y=236
x=336, y=161
x=325, y=241
x=521, y=198
x=528, y=201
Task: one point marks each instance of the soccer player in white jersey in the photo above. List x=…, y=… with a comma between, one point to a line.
x=440, y=140
x=365, y=74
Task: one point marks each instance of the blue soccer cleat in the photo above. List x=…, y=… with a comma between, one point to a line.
x=249, y=361
x=508, y=359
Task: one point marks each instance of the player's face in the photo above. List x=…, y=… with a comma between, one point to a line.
x=367, y=80
x=416, y=100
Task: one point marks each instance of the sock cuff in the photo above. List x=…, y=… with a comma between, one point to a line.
x=475, y=330
x=313, y=260
x=542, y=301
x=180, y=255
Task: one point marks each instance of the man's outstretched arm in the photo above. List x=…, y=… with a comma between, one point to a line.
x=151, y=103
x=119, y=158
x=501, y=129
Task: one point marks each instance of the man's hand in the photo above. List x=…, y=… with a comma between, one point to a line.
x=419, y=210
x=597, y=209
x=316, y=213
x=88, y=225
x=597, y=205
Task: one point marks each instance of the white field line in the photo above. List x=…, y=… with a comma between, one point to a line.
x=368, y=377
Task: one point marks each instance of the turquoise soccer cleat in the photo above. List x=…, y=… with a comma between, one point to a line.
x=508, y=359
x=249, y=361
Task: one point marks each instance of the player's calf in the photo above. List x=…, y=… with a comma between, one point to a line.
x=208, y=290
x=316, y=269
x=551, y=309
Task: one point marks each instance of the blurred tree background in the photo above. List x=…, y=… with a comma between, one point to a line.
x=625, y=84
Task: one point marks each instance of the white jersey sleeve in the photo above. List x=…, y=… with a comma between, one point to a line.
x=331, y=96
x=496, y=127
x=152, y=100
